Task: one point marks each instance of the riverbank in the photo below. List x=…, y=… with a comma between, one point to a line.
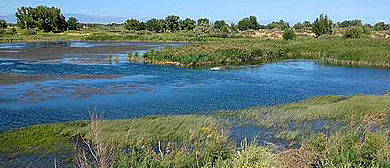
x=365, y=52
x=203, y=141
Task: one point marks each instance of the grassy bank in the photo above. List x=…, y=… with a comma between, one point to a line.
x=203, y=141
x=355, y=52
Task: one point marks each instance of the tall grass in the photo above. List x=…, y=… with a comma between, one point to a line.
x=354, y=52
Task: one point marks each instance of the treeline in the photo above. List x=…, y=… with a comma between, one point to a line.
x=173, y=23
x=44, y=18
x=51, y=19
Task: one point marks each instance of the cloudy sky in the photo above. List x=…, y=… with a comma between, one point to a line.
x=232, y=11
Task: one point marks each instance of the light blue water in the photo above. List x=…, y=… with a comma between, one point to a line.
x=163, y=90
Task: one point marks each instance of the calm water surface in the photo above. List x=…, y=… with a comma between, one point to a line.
x=139, y=90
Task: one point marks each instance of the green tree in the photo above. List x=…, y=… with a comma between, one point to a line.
x=298, y=25
x=203, y=22
x=281, y=24
x=172, y=23
x=3, y=24
x=42, y=17
x=381, y=26
x=322, y=25
x=350, y=23
x=132, y=24
x=155, y=25
x=248, y=23
x=289, y=34
x=72, y=23
x=187, y=24
x=219, y=24
x=24, y=19
x=307, y=24
x=142, y=26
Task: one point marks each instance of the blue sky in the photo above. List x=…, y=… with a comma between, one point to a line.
x=229, y=10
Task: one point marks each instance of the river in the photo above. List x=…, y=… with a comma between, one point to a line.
x=52, y=87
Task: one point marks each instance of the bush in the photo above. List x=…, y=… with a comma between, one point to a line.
x=357, y=32
x=289, y=34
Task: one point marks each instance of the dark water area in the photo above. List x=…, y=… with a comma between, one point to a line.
x=136, y=90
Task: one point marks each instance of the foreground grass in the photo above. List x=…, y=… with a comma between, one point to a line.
x=203, y=141
x=341, y=109
x=362, y=141
x=356, y=52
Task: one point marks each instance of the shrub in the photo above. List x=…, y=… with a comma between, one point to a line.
x=289, y=34
x=357, y=32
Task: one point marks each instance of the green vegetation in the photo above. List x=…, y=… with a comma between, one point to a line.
x=363, y=52
x=322, y=25
x=219, y=24
x=362, y=142
x=357, y=32
x=187, y=24
x=133, y=24
x=203, y=22
x=51, y=138
x=42, y=17
x=72, y=23
x=341, y=109
x=350, y=23
x=248, y=23
x=302, y=25
x=3, y=24
x=202, y=141
x=381, y=26
x=281, y=24
x=289, y=34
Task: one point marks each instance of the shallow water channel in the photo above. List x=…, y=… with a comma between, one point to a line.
x=70, y=86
